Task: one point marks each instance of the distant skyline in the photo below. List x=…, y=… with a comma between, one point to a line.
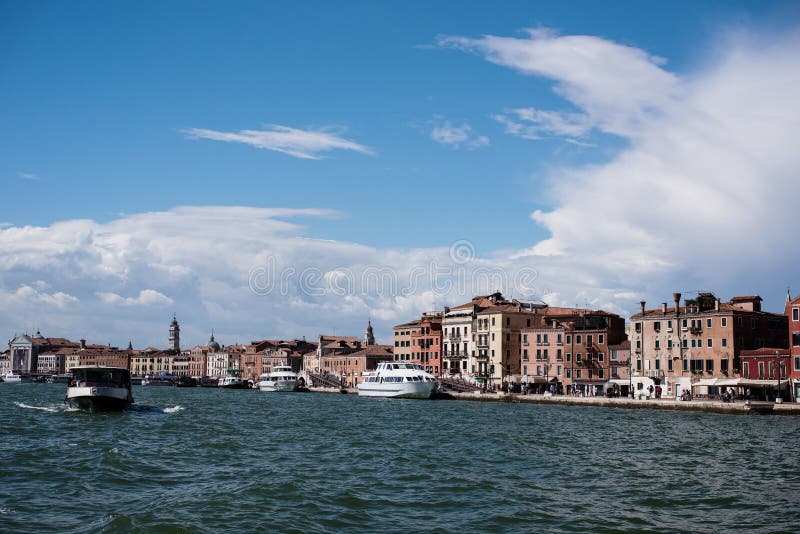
x=159, y=157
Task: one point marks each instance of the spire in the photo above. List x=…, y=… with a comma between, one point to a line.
x=130, y=345
x=788, y=301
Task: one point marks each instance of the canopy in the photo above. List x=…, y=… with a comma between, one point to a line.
x=736, y=382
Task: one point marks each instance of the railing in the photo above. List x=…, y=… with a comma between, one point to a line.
x=696, y=330
x=655, y=373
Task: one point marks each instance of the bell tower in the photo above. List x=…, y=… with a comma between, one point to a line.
x=174, y=335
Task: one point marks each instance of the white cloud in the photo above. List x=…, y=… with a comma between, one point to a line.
x=700, y=198
x=147, y=297
x=617, y=88
x=531, y=123
x=457, y=136
x=305, y=144
x=36, y=295
x=27, y=176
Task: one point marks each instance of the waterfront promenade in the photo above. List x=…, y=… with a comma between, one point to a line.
x=696, y=405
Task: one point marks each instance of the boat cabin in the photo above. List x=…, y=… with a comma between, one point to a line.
x=114, y=377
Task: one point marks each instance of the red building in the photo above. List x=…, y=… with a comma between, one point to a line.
x=426, y=343
x=770, y=364
x=793, y=312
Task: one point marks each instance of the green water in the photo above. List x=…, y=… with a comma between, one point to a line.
x=208, y=460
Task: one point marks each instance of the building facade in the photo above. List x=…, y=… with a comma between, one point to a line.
x=676, y=346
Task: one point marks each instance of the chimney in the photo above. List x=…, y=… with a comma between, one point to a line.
x=664, y=308
x=716, y=305
x=677, y=298
x=447, y=309
x=83, y=344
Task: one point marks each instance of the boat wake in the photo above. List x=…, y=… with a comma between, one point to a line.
x=52, y=408
x=144, y=408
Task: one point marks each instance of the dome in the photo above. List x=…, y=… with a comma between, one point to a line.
x=213, y=345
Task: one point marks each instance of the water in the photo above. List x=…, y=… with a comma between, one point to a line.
x=208, y=460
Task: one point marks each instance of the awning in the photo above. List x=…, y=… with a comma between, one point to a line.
x=704, y=382
x=534, y=379
x=620, y=381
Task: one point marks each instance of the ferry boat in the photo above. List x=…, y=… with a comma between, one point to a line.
x=99, y=388
x=397, y=380
x=282, y=378
x=233, y=380
x=15, y=378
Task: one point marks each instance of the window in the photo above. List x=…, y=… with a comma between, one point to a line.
x=685, y=343
x=545, y=338
x=528, y=323
x=577, y=374
x=524, y=369
x=546, y=356
x=669, y=364
x=538, y=354
x=525, y=338
x=569, y=338
x=638, y=327
x=588, y=340
x=669, y=343
x=578, y=339
x=746, y=369
x=559, y=356
x=538, y=369
x=710, y=343
x=709, y=322
x=760, y=370
x=525, y=355
x=569, y=356
x=492, y=321
x=558, y=339
x=599, y=373
x=796, y=339
x=569, y=373
x=795, y=314
x=724, y=342
x=723, y=365
x=797, y=363
x=724, y=322
x=577, y=357
x=638, y=365
x=658, y=364
x=709, y=366
x=601, y=339
x=658, y=344
x=601, y=357
x=685, y=365
x=657, y=326
x=669, y=326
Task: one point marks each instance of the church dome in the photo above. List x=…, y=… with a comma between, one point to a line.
x=213, y=345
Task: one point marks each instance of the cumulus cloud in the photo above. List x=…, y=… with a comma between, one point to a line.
x=147, y=297
x=248, y=273
x=700, y=196
x=304, y=144
x=457, y=136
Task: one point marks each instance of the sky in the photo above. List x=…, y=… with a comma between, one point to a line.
x=284, y=170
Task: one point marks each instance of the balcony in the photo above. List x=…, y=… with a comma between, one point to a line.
x=655, y=373
x=696, y=330
x=453, y=356
x=454, y=338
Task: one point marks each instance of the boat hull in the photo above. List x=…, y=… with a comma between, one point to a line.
x=280, y=386
x=98, y=399
x=402, y=390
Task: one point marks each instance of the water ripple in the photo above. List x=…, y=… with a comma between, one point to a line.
x=205, y=460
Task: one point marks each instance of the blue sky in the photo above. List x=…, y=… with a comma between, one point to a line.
x=101, y=105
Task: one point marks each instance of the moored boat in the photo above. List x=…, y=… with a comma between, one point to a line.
x=397, y=380
x=15, y=378
x=160, y=379
x=99, y=388
x=282, y=378
x=233, y=380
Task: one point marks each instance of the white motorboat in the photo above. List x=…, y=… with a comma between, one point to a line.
x=282, y=378
x=401, y=380
x=99, y=388
x=14, y=378
x=233, y=380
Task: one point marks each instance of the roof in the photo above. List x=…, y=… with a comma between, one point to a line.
x=406, y=325
x=625, y=345
x=746, y=298
x=374, y=350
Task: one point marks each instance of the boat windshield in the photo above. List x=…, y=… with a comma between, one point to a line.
x=101, y=377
